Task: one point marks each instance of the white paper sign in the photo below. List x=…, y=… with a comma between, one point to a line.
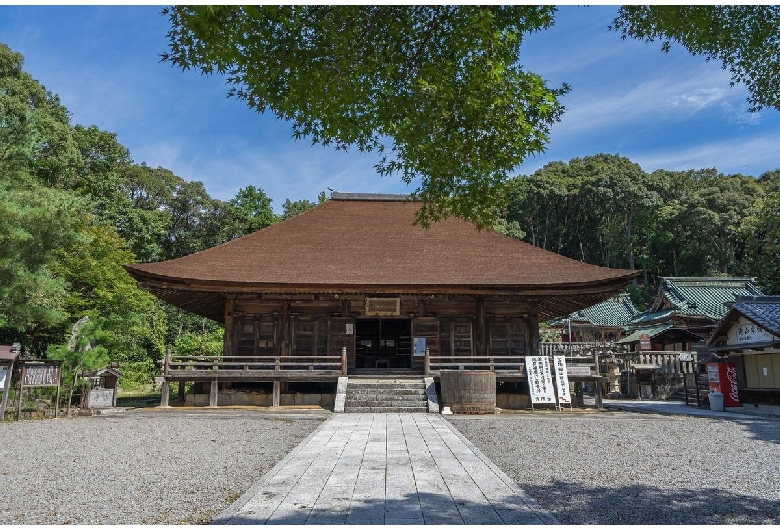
x=3, y=371
x=562, y=380
x=540, y=379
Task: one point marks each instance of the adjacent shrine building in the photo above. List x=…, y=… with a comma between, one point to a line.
x=355, y=273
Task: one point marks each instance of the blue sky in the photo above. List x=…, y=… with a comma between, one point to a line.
x=670, y=111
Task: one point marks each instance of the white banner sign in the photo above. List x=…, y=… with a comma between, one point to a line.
x=540, y=379
x=562, y=380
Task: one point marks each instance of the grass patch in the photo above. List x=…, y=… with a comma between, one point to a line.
x=138, y=396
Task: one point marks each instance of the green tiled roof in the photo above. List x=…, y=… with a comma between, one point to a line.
x=703, y=297
x=649, y=316
x=672, y=333
x=615, y=312
x=652, y=331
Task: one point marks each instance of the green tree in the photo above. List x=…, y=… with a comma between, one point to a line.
x=197, y=221
x=36, y=223
x=763, y=242
x=441, y=84
x=745, y=39
x=82, y=353
x=35, y=134
x=97, y=174
x=100, y=288
x=622, y=195
x=147, y=223
x=293, y=208
x=251, y=210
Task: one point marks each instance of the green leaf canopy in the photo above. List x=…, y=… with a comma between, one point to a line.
x=440, y=84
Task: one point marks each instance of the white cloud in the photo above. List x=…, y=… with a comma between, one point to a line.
x=728, y=156
x=671, y=99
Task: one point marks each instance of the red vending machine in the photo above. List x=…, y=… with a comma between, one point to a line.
x=723, y=378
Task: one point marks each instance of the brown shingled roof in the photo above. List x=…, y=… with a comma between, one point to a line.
x=373, y=245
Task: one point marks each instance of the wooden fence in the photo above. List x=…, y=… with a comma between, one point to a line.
x=504, y=365
x=206, y=368
x=668, y=362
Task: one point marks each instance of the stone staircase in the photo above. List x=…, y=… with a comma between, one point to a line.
x=386, y=395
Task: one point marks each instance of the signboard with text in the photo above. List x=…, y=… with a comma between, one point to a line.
x=41, y=375
x=562, y=380
x=540, y=381
x=746, y=332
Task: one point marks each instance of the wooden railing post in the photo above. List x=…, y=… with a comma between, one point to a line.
x=166, y=361
x=165, y=389
x=214, y=393
x=427, y=363
x=343, y=360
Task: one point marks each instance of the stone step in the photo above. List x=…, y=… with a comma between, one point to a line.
x=388, y=402
x=385, y=392
x=386, y=395
x=414, y=385
x=385, y=410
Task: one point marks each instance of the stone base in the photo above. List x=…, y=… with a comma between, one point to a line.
x=521, y=401
x=512, y=401
x=227, y=398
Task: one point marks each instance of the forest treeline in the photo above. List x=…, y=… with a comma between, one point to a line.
x=75, y=207
x=606, y=210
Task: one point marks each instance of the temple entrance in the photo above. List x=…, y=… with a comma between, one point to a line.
x=383, y=343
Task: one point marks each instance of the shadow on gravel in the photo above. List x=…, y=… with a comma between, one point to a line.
x=410, y=508
x=578, y=504
x=764, y=430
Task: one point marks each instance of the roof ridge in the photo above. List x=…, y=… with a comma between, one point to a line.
x=341, y=196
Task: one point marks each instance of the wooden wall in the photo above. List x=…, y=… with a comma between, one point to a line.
x=323, y=324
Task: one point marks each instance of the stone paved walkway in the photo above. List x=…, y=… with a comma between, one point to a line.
x=385, y=469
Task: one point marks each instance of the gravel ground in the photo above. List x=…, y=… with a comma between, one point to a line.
x=143, y=467
x=168, y=467
x=626, y=468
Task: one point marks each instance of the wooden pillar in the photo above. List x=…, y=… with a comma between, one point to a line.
x=214, y=393
x=181, y=392
x=346, y=310
x=284, y=330
x=482, y=346
x=277, y=393
x=422, y=308
x=230, y=327
x=533, y=331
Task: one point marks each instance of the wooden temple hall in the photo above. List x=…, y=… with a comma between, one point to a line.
x=353, y=287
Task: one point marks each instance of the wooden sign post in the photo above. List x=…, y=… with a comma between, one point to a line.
x=40, y=373
x=8, y=355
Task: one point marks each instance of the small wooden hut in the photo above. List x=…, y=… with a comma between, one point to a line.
x=355, y=275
